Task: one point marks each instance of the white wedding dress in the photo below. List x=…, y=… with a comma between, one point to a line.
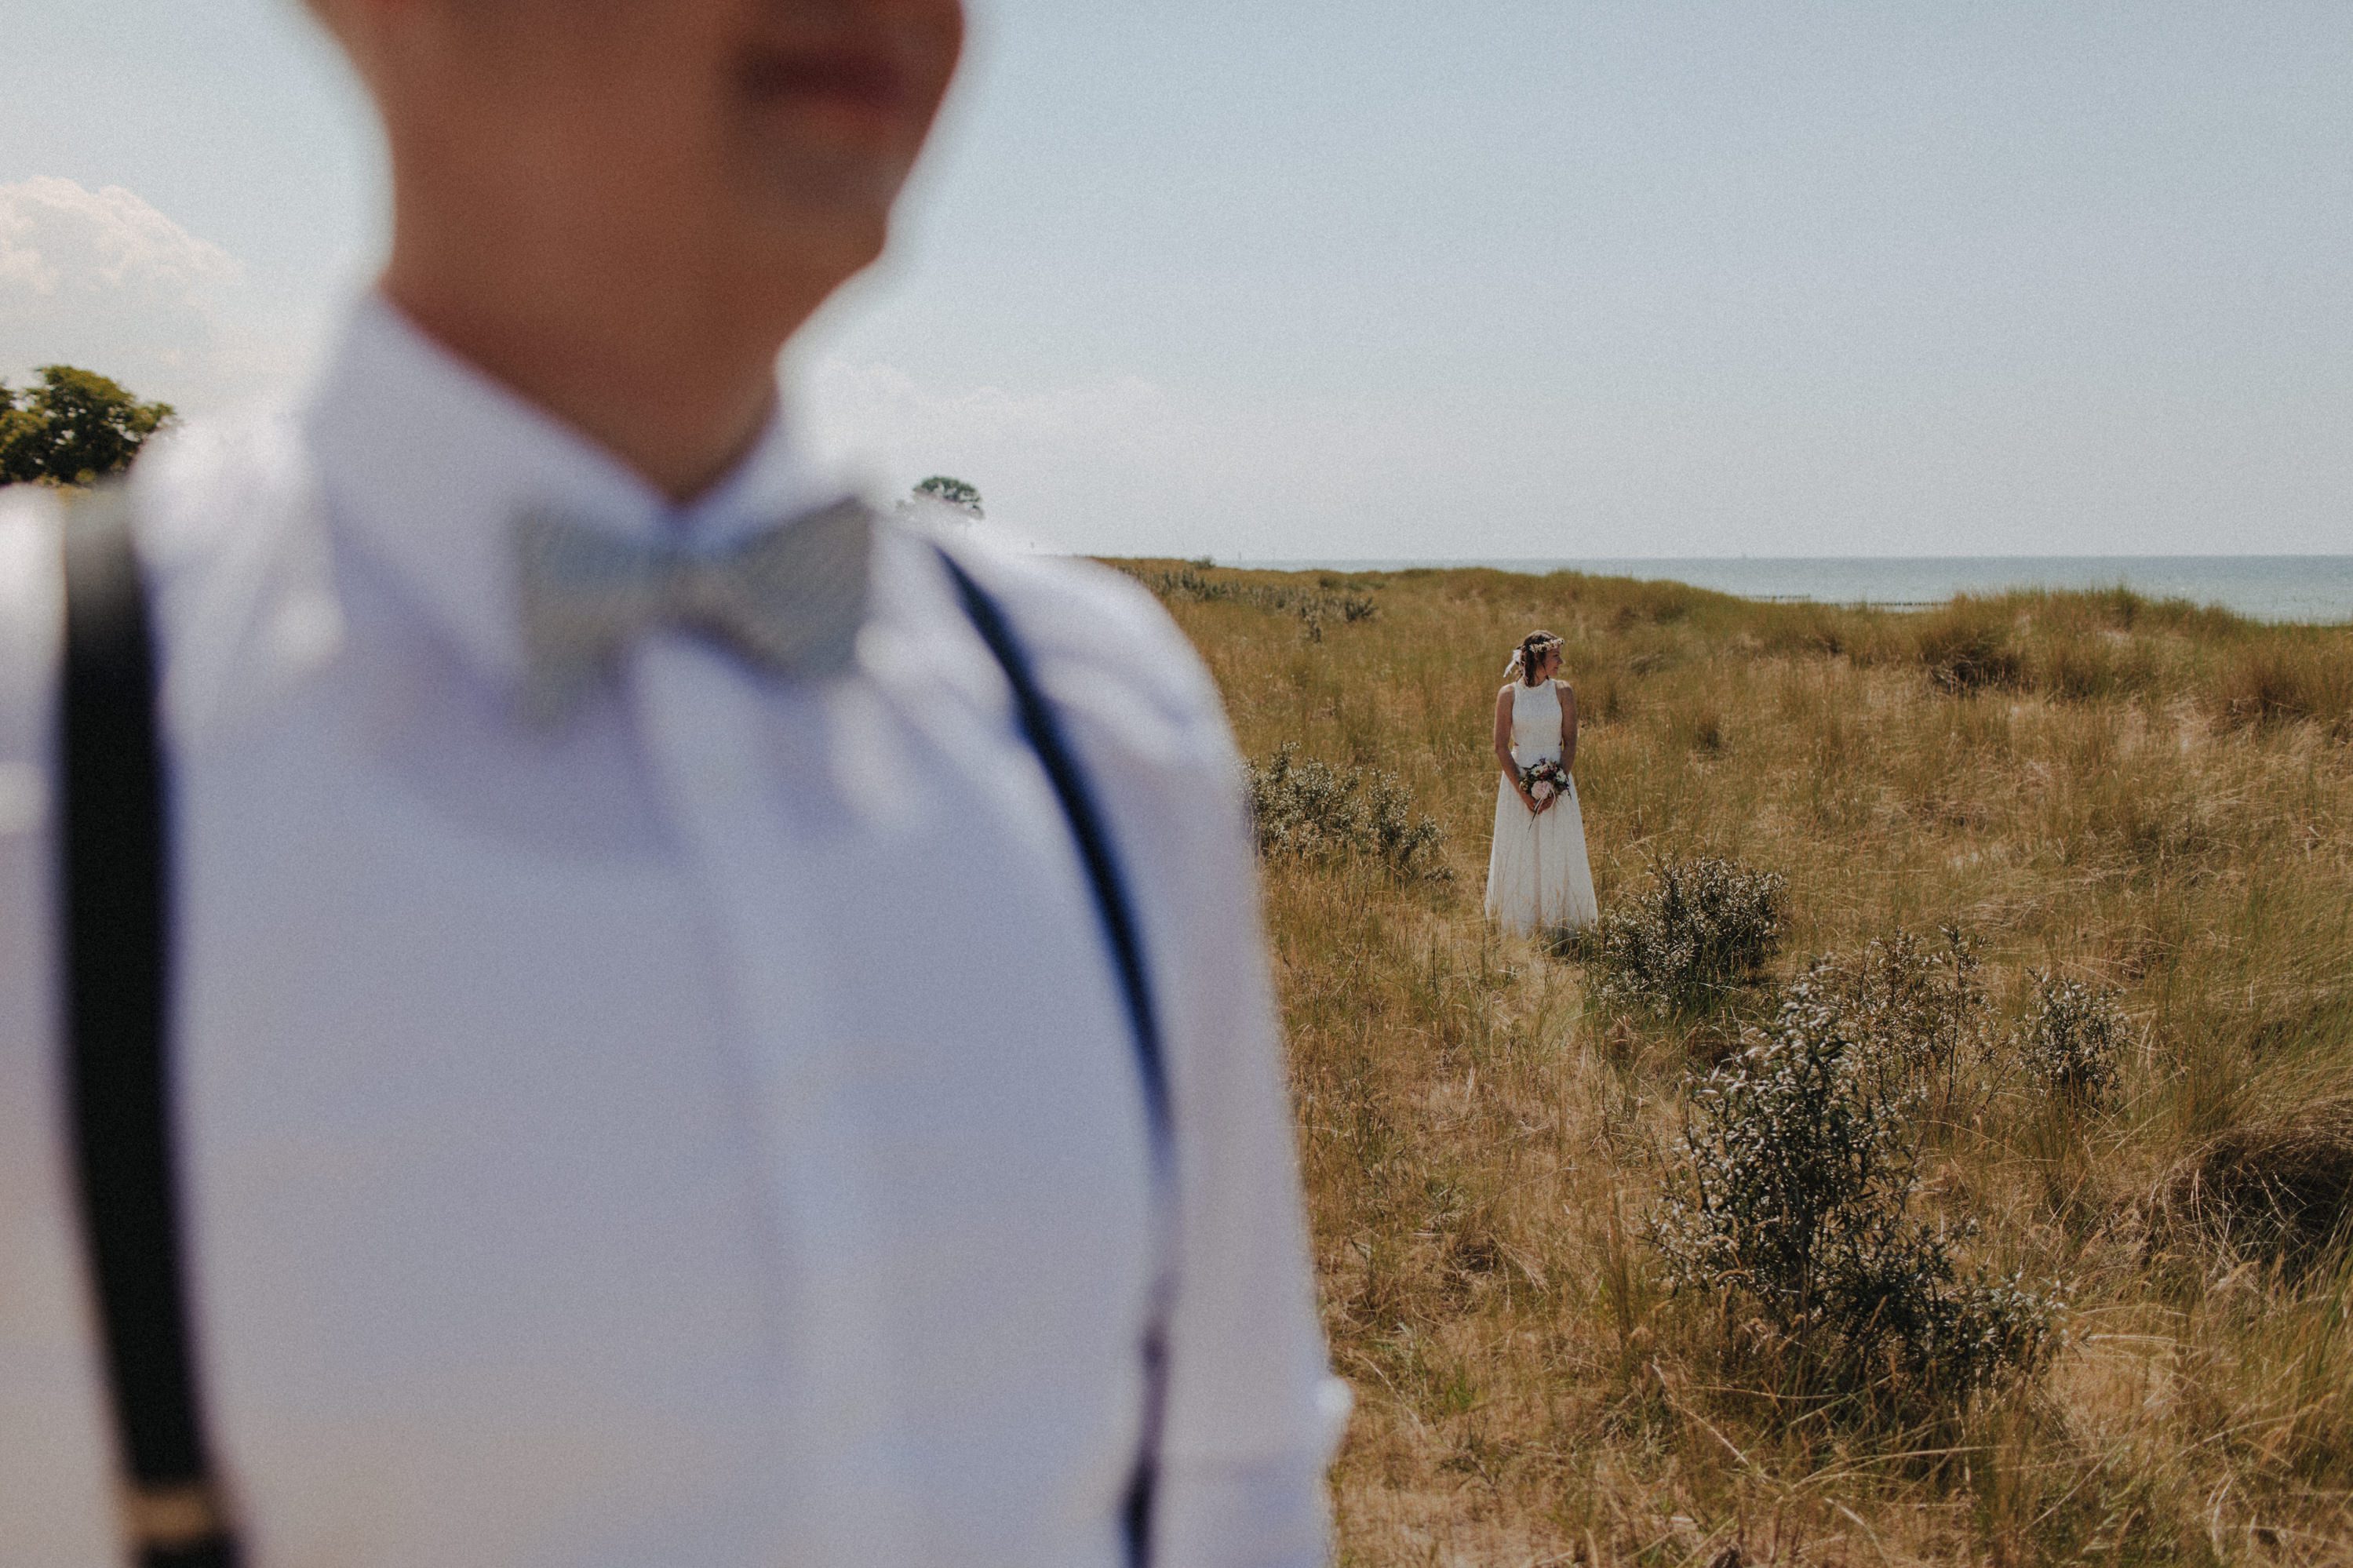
x=1538, y=876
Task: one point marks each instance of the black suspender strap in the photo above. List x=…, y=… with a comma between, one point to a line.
x=1044, y=733
x=114, y=894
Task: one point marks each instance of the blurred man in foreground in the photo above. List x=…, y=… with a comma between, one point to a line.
x=703, y=1028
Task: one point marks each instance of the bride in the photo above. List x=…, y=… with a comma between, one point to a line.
x=1537, y=877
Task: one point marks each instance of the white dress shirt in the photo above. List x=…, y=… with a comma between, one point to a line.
x=707, y=1133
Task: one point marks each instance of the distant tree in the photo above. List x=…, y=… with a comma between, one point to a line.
x=15, y=424
x=950, y=492
x=76, y=428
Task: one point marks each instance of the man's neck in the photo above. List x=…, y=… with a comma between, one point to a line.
x=679, y=399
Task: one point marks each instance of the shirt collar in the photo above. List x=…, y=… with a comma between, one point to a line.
x=426, y=462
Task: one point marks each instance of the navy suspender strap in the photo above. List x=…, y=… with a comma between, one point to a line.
x=114, y=894
x=1044, y=733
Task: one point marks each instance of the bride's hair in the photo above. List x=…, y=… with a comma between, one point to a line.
x=1529, y=655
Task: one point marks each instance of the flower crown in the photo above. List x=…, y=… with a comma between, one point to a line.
x=1519, y=665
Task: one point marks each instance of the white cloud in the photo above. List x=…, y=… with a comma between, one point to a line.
x=101, y=280
x=1123, y=466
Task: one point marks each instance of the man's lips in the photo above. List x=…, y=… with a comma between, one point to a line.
x=866, y=85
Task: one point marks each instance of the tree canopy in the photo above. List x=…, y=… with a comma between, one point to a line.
x=950, y=492
x=76, y=428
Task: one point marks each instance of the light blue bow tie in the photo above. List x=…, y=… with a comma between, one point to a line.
x=790, y=599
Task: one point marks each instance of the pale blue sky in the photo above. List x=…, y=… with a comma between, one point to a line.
x=1622, y=278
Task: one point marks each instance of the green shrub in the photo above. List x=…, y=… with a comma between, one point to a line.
x=2071, y=1039
x=1311, y=811
x=1702, y=929
x=1791, y=1190
x=1191, y=584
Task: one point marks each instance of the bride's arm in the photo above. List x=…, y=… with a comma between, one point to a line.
x=1568, y=726
x=1504, y=746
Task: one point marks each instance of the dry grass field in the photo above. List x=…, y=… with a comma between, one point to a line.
x=2143, y=796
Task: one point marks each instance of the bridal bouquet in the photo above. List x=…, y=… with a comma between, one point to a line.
x=1544, y=780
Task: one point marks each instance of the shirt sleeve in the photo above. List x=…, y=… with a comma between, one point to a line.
x=1252, y=1415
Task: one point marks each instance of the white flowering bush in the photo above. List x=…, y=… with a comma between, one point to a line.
x=1306, y=809
x=1922, y=1005
x=1790, y=1190
x=2072, y=1038
x=1702, y=929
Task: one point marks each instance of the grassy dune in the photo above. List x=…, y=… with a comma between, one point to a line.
x=2149, y=796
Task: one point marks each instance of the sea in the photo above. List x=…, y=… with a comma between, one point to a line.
x=2317, y=589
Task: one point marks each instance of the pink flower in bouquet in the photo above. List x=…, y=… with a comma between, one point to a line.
x=1541, y=789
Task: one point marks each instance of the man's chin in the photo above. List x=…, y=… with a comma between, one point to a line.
x=838, y=183
x=823, y=233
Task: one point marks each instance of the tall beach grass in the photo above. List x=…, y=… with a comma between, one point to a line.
x=2148, y=797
